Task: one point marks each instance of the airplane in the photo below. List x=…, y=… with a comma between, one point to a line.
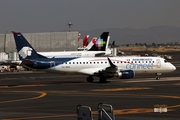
x=85, y=40
x=97, y=47
x=102, y=67
x=89, y=46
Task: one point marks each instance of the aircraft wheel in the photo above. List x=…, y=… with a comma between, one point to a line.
x=102, y=79
x=90, y=79
x=157, y=78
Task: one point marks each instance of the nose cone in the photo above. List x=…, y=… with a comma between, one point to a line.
x=173, y=68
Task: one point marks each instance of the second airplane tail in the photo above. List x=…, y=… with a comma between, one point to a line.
x=101, y=43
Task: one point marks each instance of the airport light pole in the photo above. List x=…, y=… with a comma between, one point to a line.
x=70, y=25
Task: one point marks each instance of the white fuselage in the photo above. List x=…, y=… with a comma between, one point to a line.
x=69, y=54
x=137, y=64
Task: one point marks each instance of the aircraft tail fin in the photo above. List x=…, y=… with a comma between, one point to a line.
x=85, y=40
x=24, y=49
x=101, y=43
x=91, y=43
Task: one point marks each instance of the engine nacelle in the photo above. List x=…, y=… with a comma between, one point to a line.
x=126, y=74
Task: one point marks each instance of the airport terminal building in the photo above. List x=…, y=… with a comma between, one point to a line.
x=42, y=42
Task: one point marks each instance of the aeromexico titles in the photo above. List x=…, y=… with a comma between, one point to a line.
x=102, y=67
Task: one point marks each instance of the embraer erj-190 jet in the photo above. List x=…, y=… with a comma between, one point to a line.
x=102, y=67
x=97, y=47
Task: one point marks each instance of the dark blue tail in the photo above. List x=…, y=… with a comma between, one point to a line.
x=24, y=49
x=101, y=43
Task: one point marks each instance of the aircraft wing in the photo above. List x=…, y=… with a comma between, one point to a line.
x=90, y=71
x=98, y=71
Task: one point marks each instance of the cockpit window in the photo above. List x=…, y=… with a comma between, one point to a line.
x=165, y=61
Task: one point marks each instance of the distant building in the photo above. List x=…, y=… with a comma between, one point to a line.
x=43, y=42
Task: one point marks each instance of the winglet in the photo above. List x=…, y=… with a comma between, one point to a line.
x=111, y=64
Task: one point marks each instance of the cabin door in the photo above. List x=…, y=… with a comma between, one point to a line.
x=158, y=63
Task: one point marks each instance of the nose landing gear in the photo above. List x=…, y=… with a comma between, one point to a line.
x=158, y=76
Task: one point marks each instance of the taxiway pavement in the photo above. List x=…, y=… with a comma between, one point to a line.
x=44, y=96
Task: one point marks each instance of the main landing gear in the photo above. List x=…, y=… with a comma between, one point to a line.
x=158, y=76
x=101, y=79
x=90, y=79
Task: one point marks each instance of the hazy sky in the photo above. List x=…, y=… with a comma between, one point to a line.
x=54, y=15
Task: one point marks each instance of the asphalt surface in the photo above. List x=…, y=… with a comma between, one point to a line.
x=45, y=96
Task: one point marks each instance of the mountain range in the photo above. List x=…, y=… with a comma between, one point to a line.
x=156, y=34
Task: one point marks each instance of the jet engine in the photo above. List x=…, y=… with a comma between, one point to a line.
x=125, y=74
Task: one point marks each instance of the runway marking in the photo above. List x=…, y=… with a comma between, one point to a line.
x=120, y=89
x=152, y=80
x=120, y=95
x=135, y=111
x=16, y=86
x=42, y=94
x=116, y=112
x=94, y=91
x=40, y=117
x=26, y=85
x=142, y=95
x=3, y=86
